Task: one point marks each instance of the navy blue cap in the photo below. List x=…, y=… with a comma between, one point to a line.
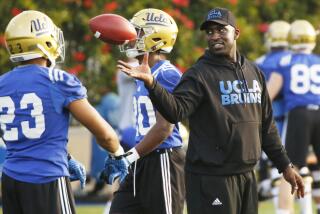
x=219, y=15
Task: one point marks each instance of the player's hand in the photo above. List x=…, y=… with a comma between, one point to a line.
x=141, y=72
x=295, y=180
x=77, y=172
x=115, y=167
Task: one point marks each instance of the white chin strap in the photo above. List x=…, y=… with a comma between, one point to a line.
x=52, y=61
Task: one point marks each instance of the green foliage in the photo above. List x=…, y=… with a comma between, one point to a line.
x=95, y=62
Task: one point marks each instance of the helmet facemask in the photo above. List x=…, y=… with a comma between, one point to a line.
x=137, y=47
x=156, y=31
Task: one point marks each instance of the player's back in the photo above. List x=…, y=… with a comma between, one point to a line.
x=35, y=121
x=301, y=74
x=269, y=63
x=168, y=76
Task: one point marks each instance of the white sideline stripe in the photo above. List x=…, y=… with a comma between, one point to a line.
x=166, y=184
x=64, y=199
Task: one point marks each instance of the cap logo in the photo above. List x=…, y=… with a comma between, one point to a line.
x=214, y=14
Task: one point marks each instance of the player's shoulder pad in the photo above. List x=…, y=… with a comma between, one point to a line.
x=59, y=76
x=67, y=83
x=285, y=60
x=56, y=75
x=260, y=60
x=168, y=76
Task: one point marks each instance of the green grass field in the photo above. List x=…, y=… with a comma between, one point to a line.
x=264, y=208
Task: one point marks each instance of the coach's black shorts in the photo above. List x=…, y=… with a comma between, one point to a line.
x=301, y=129
x=158, y=181
x=28, y=198
x=234, y=194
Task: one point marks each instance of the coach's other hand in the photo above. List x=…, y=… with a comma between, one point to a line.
x=295, y=180
x=77, y=172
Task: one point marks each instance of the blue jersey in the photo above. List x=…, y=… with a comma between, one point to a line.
x=168, y=76
x=301, y=80
x=35, y=121
x=269, y=63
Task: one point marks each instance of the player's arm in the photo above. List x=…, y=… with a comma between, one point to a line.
x=155, y=136
x=84, y=112
x=115, y=165
x=274, y=84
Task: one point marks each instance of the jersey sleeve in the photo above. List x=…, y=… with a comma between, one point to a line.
x=169, y=79
x=66, y=89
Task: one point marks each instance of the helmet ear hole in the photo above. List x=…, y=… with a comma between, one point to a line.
x=49, y=45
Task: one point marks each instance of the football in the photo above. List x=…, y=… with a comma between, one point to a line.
x=112, y=28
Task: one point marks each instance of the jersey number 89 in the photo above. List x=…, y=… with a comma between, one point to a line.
x=36, y=113
x=305, y=79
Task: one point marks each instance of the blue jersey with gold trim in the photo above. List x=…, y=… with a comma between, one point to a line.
x=35, y=121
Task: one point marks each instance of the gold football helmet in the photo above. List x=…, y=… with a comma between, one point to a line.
x=156, y=30
x=32, y=34
x=302, y=36
x=277, y=34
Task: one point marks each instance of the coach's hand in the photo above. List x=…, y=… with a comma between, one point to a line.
x=141, y=72
x=295, y=180
x=114, y=167
x=77, y=172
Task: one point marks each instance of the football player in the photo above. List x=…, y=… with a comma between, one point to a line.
x=299, y=79
x=156, y=184
x=277, y=45
x=36, y=100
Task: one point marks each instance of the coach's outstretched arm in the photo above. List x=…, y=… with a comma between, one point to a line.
x=173, y=107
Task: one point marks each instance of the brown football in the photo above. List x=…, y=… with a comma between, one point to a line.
x=112, y=28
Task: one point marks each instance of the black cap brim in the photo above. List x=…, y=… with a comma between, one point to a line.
x=205, y=24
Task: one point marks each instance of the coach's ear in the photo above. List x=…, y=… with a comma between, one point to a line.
x=236, y=33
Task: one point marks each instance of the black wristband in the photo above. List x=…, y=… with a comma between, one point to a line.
x=69, y=156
